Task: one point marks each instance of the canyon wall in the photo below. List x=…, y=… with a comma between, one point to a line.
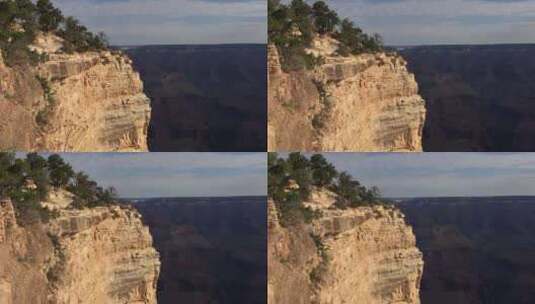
x=479, y=97
x=368, y=102
x=98, y=255
x=217, y=244
x=362, y=255
x=73, y=102
x=477, y=250
x=205, y=97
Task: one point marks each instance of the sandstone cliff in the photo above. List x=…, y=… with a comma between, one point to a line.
x=99, y=255
x=363, y=255
x=90, y=101
x=368, y=102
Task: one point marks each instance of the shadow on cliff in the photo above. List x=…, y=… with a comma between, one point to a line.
x=476, y=250
x=478, y=98
x=205, y=98
x=213, y=250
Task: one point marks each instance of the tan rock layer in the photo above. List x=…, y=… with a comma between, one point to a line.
x=99, y=105
x=373, y=105
x=100, y=255
x=372, y=252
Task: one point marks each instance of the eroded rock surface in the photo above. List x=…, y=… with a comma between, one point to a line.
x=95, y=102
x=368, y=102
x=371, y=258
x=99, y=255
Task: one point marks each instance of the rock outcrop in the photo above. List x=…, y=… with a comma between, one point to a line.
x=368, y=102
x=362, y=255
x=98, y=255
x=90, y=101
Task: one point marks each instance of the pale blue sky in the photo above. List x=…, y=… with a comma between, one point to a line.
x=409, y=22
x=135, y=22
x=441, y=174
x=175, y=174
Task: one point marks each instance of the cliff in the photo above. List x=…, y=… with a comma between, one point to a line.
x=362, y=255
x=368, y=102
x=81, y=102
x=99, y=255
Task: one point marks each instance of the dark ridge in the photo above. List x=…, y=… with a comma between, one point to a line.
x=196, y=46
x=197, y=199
x=472, y=46
x=501, y=198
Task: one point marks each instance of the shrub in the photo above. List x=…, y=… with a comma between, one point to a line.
x=317, y=274
x=316, y=171
x=43, y=116
x=292, y=27
x=325, y=19
x=16, y=173
x=59, y=171
x=20, y=20
x=49, y=17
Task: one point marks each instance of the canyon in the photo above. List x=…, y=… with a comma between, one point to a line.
x=478, y=97
x=97, y=255
x=213, y=250
x=357, y=255
x=368, y=102
x=204, y=97
x=476, y=249
x=84, y=102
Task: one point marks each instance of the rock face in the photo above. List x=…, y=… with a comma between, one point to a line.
x=357, y=103
x=479, y=98
x=74, y=102
x=476, y=250
x=99, y=255
x=369, y=255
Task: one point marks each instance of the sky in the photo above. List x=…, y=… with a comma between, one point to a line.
x=441, y=174
x=417, y=22
x=142, y=22
x=138, y=175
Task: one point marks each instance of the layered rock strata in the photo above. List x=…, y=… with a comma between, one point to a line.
x=368, y=102
x=362, y=255
x=99, y=255
x=73, y=102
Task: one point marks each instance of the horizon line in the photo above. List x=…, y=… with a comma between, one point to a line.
x=214, y=196
x=460, y=196
x=460, y=44
x=189, y=44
